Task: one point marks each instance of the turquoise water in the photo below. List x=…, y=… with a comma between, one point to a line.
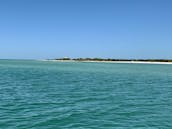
x=59, y=95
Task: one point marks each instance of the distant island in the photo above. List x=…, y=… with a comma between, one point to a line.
x=113, y=60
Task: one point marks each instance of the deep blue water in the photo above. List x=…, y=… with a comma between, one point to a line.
x=71, y=95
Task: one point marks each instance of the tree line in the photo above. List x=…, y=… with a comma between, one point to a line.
x=109, y=59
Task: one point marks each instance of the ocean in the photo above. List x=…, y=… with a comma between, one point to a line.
x=76, y=95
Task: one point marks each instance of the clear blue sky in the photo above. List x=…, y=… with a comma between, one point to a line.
x=38, y=29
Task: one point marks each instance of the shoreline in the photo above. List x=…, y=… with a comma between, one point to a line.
x=122, y=62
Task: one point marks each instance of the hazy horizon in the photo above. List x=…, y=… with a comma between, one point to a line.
x=120, y=29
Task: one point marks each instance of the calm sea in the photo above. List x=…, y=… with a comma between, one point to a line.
x=71, y=95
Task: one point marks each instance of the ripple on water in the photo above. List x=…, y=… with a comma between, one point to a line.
x=47, y=95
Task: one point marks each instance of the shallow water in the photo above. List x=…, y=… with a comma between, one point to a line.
x=71, y=95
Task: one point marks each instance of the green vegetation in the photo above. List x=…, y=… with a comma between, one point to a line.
x=65, y=58
x=101, y=59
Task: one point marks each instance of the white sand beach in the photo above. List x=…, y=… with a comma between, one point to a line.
x=125, y=62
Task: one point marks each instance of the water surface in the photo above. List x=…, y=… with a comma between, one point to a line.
x=71, y=95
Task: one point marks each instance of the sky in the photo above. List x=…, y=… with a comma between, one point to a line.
x=46, y=29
